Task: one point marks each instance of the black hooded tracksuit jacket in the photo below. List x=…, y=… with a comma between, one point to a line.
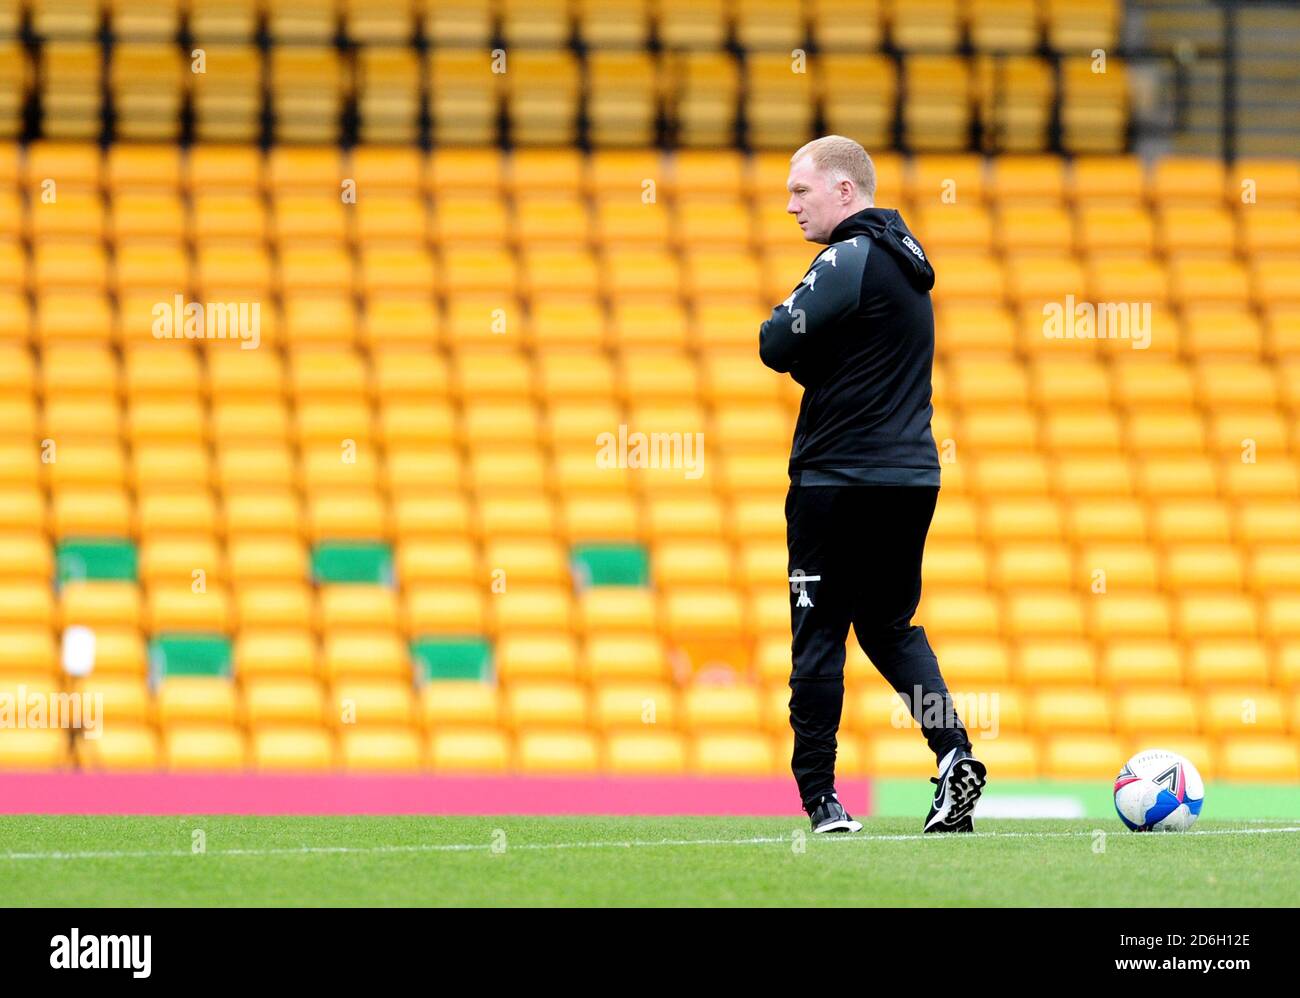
x=857, y=333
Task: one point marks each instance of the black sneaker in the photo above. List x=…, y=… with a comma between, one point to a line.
x=959, y=784
x=828, y=815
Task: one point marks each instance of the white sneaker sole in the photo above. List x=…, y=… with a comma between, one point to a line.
x=965, y=783
x=849, y=825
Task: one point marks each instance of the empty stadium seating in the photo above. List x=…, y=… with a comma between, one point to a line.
x=385, y=511
x=383, y=539
x=610, y=75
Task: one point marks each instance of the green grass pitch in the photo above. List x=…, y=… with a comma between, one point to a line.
x=127, y=861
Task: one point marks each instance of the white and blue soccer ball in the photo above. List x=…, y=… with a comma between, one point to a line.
x=1158, y=791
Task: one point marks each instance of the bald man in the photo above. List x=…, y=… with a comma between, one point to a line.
x=857, y=333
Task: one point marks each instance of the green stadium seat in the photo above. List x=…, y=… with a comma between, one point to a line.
x=452, y=658
x=611, y=565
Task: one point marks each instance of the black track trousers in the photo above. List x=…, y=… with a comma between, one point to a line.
x=860, y=548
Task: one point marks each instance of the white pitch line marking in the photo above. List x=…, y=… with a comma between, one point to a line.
x=629, y=844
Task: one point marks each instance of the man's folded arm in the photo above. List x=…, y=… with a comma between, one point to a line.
x=828, y=293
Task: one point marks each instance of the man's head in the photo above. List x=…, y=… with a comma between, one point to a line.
x=831, y=178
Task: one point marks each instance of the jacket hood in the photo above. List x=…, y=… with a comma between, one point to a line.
x=886, y=228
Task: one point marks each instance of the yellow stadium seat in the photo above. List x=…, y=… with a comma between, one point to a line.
x=1074, y=25
x=119, y=652
x=380, y=749
x=529, y=704
x=1267, y=520
x=1230, y=615
x=699, y=613
x=1055, y=661
x=466, y=750
x=1185, y=520
x=373, y=701
x=1030, y=184
x=1142, y=662
x=638, y=655
x=956, y=563
x=634, y=706
x=1010, y=756
x=82, y=511
x=1207, y=566
x=1244, y=711
x=1069, y=710
x=432, y=516
x=34, y=748
x=169, y=607
x=621, y=101
x=357, y=606
x=189, y=747
x=268, y=559
x=525, y=655
x=707, y=708
x=1094, y=114
x=180, y=560
x=964, y=613
x=120, y=747
x=1196, y=281
x=972, y=661
x=1274, y=566
x=181, y=700
x=1083, y=756
x=1026, y=518
x=1044, y=613
x=388, y=91
x=361, y=653
x=262, y=510
x=1011, y=474
x=291, y=748
x=1015, y=94
x=1259, y=758
x=72, y=95
x=1131, y=615
x=657, y=753
x=874, y=709
x=1112, y=181
x=1197, y=180
x=541, y=91
x=1106, y=567
x=28, y=648
x=459, y=703
x=871, y=77
x=567, y=751
x=1227, y=661
x=290, y=700
x=897, y=754
x=92, y=603
x=732, y=754
x=1147, y=713
x=421, y=560
x=353, y=514
x=1098, y=474
x=1268, y=229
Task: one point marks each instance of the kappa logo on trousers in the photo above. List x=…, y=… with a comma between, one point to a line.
x=798, y=585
